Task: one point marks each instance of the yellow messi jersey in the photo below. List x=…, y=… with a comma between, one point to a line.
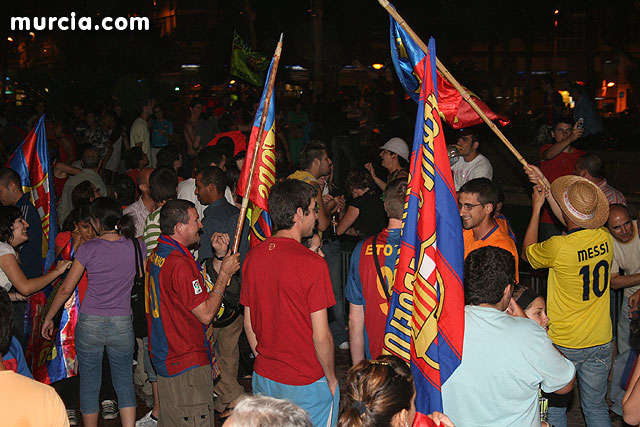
x=578, y=287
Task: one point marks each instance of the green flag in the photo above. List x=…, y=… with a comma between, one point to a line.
x=246, y=63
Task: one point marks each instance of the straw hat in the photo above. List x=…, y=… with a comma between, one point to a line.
x=581, y=200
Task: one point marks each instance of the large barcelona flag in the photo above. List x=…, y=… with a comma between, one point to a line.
x=425, y=325
x=264, y=175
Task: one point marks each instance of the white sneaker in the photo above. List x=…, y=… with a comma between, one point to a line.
x=147, y=421
x=71, y=415
x=344, y=346
x=109, y=410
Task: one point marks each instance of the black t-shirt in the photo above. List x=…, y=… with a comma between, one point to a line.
x=372, y=217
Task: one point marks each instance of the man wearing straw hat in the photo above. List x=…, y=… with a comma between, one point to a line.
x=579, y=266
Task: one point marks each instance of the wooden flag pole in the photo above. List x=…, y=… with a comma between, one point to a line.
x=456, y=84
x=263, y=120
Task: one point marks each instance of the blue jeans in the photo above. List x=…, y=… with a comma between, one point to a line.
x=93, y=334
x=617, y=392
x=592, y=368
x=333, y=256
x=314, y=398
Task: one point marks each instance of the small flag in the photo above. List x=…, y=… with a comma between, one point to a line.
x=246, y=63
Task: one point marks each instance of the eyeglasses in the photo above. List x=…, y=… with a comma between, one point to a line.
x=468, y=206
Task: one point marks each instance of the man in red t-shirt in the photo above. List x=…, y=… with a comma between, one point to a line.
x=180, y=305
x=286, y=291
x=558, y=159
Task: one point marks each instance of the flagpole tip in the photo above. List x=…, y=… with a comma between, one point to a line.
x=281, y=37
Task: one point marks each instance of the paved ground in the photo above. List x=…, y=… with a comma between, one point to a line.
x=343, y=362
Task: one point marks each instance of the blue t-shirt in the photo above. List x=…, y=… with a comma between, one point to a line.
x=14, y=359
x=504, y=361
x=159, y=140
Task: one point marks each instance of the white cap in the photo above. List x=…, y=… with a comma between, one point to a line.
x=398, y=146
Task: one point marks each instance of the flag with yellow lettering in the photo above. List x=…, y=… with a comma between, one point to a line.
x=425, y=325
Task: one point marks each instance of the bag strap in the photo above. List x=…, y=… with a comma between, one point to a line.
x=383, y=282
x=138, y=257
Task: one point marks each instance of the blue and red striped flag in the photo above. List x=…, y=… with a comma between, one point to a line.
x=31, y=161
x=425, y=325
x=264, y=175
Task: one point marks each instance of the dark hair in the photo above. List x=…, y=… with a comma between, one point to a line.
x=313, y=150
x=6, y=321
x=360, y=179
x=195, y=101
x=90, y=157
x=8, y=215
x=485, y=190
x=227, y=146
x=225, y=123
x=107, y=211
x=233, y=175
x=403, y=163
x=285, y=199
x=282, y=165
x=208, y=155
x=167, y=156
x=132, y=157
x=163, y=183
x=376, y=391
x=620, y=206
x=125, y=189
x=83, y=194
x=487, y=272
x=81, y=213
x=8, y=175
x=563, y=119
x=472, y=132
x=174, y=212
x=215, y=176
x=395, y=194
x=143, y=104
x=593, y=164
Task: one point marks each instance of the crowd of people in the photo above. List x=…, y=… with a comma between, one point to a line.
x=145, y=254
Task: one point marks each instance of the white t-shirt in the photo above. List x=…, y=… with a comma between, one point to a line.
x=6, y=249
x=480, y=167
x=626, y=256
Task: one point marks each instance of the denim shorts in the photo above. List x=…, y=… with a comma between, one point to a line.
x=93, y=334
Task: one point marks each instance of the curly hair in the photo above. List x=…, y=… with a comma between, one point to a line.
x=376, y=391
x=487, y=272
x=8, y=215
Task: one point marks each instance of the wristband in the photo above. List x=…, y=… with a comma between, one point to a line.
x=219, y=258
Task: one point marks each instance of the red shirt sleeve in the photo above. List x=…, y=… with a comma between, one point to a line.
x=320, y=291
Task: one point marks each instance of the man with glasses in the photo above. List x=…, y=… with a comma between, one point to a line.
x=477, y=200
x=557, y=159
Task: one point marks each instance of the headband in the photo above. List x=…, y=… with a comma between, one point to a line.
x=527, y=298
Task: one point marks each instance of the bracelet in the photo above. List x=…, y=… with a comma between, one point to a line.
x=215, y=291
x=219, y=258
